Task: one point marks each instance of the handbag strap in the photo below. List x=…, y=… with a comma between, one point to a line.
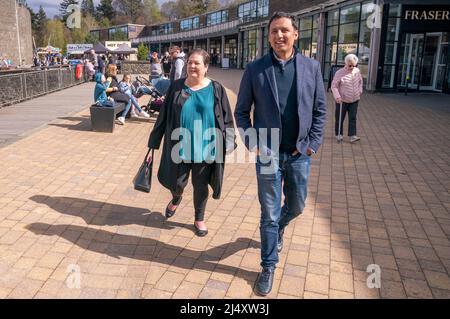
x=146, y=156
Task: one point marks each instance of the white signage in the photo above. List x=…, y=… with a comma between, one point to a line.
x=112, y=45
x=78, y=48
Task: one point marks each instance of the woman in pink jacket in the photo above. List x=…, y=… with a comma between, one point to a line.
x=347, y=87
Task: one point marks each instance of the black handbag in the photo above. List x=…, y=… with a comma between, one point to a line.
x=143, y=179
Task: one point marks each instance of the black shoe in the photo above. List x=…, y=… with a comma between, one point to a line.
x=280, y=239
x=265, y=280
x=170, y=213
x=200, y=232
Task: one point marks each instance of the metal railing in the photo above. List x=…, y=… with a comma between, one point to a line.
x=17, y=87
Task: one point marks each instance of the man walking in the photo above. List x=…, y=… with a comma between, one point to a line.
x=289, y=101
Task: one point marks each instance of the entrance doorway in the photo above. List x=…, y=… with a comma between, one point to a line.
x=423, y=61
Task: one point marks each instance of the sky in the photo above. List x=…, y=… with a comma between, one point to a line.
x=51, y=7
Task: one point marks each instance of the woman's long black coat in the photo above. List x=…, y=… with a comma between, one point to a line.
x=169, y=120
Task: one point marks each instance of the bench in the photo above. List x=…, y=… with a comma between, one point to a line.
x=103, y=118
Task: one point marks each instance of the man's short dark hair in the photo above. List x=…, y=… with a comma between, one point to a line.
x=279, y=14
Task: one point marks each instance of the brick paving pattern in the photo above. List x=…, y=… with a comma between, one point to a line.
x=67, y=203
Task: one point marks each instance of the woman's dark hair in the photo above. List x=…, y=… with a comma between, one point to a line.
x=203, y=53
x=279, y=14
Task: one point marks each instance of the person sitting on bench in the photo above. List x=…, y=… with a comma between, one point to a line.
x=126, y=87
x=100, y=97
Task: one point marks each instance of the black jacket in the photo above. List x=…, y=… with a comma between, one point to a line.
x=169, y=119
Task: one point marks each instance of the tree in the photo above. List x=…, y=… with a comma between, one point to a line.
x=142, y=52
x=64, y=5
x=39, y=28
x=169, y=10
x=55, y=34
x=106, y=10
x=87, y=7
x=151, y=13
x=129, y=8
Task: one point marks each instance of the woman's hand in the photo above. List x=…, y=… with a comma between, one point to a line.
x=149, y=157
x=339, y=100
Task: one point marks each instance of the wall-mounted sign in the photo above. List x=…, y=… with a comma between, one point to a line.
x=112, y=45
x=78, y=48
x=422, y=18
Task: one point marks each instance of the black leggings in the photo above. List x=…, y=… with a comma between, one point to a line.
x=201, y=173
x=351, y=108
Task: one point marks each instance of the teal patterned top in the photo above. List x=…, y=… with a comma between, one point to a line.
x=198, y=141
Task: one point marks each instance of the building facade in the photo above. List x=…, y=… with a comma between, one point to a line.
x=15, y=32
x=400, y=43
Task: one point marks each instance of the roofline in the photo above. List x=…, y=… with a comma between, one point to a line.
x=118, y=26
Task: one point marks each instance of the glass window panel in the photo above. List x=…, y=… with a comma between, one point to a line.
x=315, y=21
x=364, y=69
x=348, y=33
x=388, y=76
x=390, y=52
x=305, y=34
x=305, y=23
x=305, y=46
x=332, y=34
x=350, y=14
x=363, y=53
x=367, y=10
x=392, y=29
x=364, y=34
x=315, y=34
x=333, y=17
x=331, y=53
x=395, y=10
x=326, y=71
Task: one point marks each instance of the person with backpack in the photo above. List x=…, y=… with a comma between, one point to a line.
x=178, y=69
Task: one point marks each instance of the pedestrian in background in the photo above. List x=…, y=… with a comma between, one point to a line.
x=347, y=87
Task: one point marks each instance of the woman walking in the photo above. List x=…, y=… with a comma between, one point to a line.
x=347, y=87
x=198, y=109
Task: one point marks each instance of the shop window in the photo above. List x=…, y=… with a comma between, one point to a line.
x=350, y=14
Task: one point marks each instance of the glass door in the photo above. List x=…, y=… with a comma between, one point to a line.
x=415, y=59
x=430, y=61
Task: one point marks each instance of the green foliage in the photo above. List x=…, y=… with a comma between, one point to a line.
x=119, y=35
x=87, y=7
x=106, y=10
x=55, y=34
x=143, y=52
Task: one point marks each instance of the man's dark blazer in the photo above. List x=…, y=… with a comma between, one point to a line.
x=258, y=88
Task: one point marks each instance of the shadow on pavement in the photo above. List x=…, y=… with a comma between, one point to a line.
x=147, y=249
x=101, y=213
x=119, y=245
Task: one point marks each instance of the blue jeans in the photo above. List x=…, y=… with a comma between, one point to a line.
x=127, y=108
x=282, y=172
x=135, y=103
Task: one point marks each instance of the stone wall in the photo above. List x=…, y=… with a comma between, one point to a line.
x=136, y=67
x=9, y=43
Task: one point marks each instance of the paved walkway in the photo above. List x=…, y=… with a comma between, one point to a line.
x=25, y=118
x=67, y=204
